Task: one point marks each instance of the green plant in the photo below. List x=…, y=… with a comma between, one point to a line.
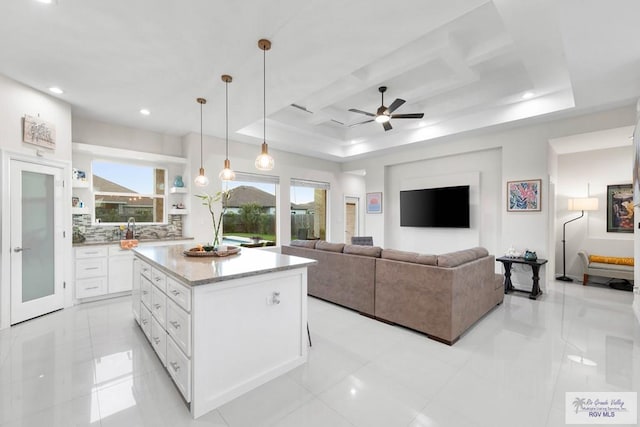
x=208, y=201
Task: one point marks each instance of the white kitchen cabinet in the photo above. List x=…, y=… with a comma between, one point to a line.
x=135, y=289
x=120, y=270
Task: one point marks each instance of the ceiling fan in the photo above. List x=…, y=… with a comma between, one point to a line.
x=384, y=114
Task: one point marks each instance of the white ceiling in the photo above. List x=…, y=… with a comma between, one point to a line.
x=465, y=63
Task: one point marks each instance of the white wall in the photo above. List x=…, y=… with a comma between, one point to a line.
x=480, y=170
x=525, y=155
x=587, y=174
x=16, y=101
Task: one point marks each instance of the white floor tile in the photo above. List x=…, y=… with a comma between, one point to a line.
x=90, y=365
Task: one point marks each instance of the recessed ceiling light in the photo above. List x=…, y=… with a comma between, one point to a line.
x=145, y=112
x=527, y=95
x=46, y=1
x=56, y=90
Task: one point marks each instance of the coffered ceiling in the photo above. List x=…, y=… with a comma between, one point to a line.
x=466, y=64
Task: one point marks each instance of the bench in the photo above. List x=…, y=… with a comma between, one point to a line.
x=612, y=267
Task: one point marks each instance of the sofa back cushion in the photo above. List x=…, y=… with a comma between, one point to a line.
x=329, y=247
x=372, y=251
x=309, y=244
x=454, y=259
x=414, y=257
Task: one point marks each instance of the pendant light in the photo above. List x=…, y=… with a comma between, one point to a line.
x=201, y=180
x=227, y=174
x=264, y=161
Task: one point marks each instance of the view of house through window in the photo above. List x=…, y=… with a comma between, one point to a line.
x=308, y=209
x=122, y=191
x=251, y=210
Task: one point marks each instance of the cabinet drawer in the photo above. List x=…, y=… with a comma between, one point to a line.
x=159, y=279
x=179, y=367
x=158, y=305
x=179, y=293
x=179, y=326
x=145, y=321
x=159, y=340
x=91, y=267
x=145, y=270
x=92, y=252
x=93, y=287
x=145, y=293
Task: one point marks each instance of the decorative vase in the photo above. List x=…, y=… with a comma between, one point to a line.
x=177, y=182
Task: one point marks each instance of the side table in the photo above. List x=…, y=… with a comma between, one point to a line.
x=535, y=267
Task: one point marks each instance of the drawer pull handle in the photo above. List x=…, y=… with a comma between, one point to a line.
x=92, y=253
x=175, y=324
x=91, y=268
x=92, y=287
x=156, y=306
x=175, y=293
x=145, y=321
x=175, y=366
x=157, y=279
x=156, y=340
x=145, y=292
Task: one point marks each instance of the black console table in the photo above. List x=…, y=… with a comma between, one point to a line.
x=535, y=267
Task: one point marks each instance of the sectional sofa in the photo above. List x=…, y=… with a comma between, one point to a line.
x=439, y=295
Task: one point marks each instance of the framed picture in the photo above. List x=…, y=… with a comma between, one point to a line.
x=620, y=208
x=374, y=203
x=38, y=132
x=524, y=196
x=75, y=202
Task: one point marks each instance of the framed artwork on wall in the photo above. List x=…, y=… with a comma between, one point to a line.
x=620, y=208
x=524, y=196
x=38, y=132
x=374, y=203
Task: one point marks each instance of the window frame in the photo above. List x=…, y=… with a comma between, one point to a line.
x=319, y=185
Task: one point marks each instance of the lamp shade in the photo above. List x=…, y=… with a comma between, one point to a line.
x=583, y=204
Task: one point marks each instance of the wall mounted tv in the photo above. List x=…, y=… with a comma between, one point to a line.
x=435, y=207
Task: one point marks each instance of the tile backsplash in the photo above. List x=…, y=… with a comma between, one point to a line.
x=84, y=231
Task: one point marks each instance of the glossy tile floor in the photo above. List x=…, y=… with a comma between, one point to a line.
x=91, y=365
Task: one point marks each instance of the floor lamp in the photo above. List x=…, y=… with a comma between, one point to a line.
x=582, y=204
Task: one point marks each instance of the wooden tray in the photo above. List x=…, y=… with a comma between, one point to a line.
x=231, y=250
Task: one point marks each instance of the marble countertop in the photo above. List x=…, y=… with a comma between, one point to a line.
x=202, y=270
x=141, y=241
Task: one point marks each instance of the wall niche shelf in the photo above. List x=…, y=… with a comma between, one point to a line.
x=77, y=183
x=178, y=211
x=80, y=211
x=178, y=190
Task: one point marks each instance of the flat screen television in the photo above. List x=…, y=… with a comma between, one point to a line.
x=435, y=207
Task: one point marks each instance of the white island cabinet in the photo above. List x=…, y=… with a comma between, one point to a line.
x=222, y=326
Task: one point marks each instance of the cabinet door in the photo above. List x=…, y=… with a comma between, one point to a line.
x=135, y=290
x=120, y=273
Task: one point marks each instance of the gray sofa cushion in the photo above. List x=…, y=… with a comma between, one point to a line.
x=329, y=247
x=454, y=259
x=405, y=256
x=310, y=244
x=373, y=251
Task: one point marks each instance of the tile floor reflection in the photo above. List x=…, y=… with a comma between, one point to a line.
x=91, y=366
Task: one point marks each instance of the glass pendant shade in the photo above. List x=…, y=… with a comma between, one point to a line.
x=201, y=180
x=227, y=174
x=264, y=161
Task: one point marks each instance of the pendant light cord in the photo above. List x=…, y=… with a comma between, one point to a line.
x=264, y=93
x=226, y=112
x=200, y=135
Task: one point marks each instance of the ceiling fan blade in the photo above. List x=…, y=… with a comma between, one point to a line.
x=360, y=123
x=394, y=106
x=408, y=116
x=353, y=110
x=387, y=126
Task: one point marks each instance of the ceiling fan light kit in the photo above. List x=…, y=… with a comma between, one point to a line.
x=384, y=114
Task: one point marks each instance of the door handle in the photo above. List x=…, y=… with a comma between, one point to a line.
x=19, y=249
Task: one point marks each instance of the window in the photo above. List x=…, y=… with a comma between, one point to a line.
x=251, y=209
x=308, y=209
x=123, y=190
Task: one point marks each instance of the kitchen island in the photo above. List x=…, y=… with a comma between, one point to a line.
x=221, y=326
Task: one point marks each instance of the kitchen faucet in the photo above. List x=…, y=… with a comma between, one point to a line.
x=131, y=228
